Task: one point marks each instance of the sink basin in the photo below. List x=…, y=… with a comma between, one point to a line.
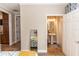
x=51, y=34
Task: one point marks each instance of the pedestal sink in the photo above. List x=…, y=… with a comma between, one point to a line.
x=52, y=35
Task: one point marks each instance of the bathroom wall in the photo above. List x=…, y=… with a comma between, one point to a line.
x=59, y=30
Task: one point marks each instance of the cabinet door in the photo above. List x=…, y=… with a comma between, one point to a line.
x=5, y=36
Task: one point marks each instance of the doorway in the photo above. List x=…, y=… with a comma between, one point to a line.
x=54, y=38
x=4, y=28
x=10, y=28
x=16, y=44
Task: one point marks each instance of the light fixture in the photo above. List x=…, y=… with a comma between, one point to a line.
x=50, y=20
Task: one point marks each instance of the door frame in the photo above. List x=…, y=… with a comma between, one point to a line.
x=15, y=29
x=46, y=23
x=10, y=24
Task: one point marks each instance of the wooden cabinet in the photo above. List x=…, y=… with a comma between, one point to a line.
x=5, y=35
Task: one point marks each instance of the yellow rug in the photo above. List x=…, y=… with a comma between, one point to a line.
x=27, y=53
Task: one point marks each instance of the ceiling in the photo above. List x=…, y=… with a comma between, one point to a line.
x=16, y=7
x=60, y=4
x=11, y=6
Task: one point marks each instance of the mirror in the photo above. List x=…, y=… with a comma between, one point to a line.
x=51, y=26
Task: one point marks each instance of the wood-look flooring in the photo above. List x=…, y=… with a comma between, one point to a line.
x=54, y=50
x=14, y=47
x=33, y=49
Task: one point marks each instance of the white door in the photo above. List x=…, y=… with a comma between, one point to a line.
x=75, y=26
x=71, y=33
x=66, y=40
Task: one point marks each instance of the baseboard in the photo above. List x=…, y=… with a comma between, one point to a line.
x=14, y=42
x=42, y=51
x=10, y=44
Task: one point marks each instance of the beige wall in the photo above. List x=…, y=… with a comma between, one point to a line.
x=59, y=30
x=34, y=17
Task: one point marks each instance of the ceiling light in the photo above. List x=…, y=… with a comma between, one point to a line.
x=50, y=20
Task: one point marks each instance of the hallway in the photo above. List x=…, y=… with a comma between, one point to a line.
x=54, y=50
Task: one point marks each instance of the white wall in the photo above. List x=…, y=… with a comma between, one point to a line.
x=34, y=17
x=71, y=33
